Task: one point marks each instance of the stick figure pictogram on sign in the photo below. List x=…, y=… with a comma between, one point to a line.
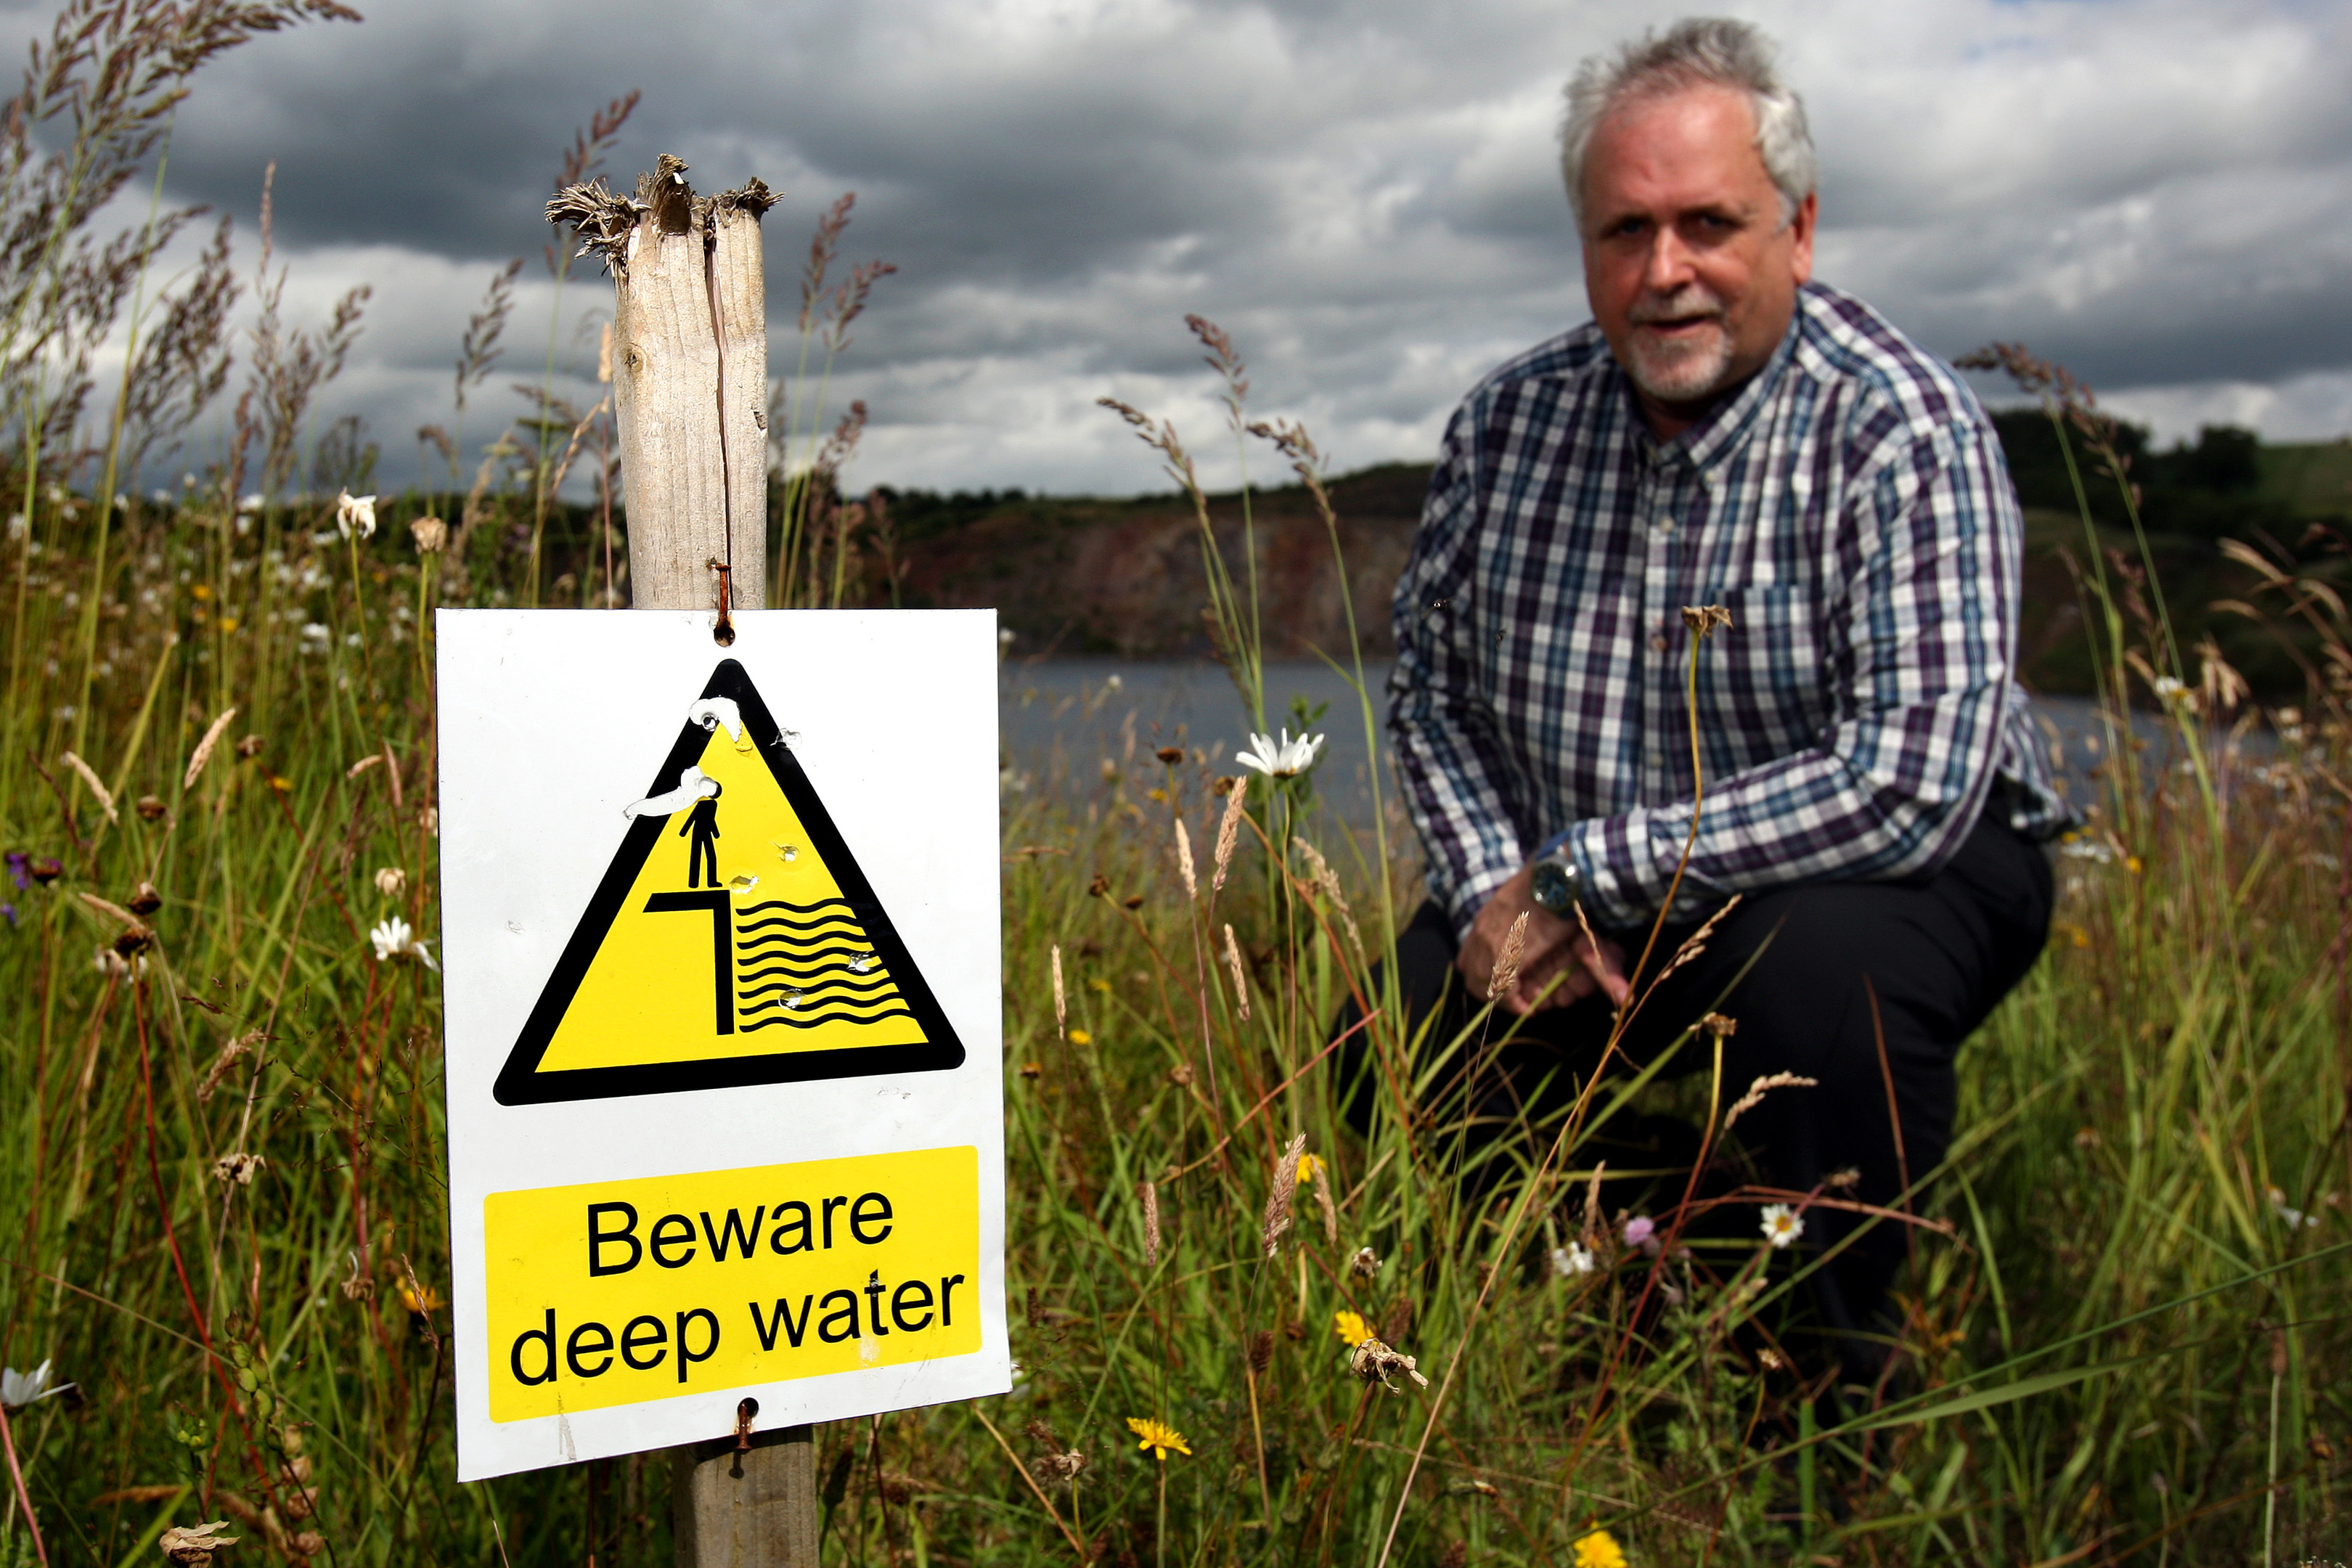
x=711, y=960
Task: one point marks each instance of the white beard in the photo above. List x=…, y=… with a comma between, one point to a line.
x=1686, y=371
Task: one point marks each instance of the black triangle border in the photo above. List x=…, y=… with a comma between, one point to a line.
x=519, y=1081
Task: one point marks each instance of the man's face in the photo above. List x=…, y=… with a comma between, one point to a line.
x=1692, y=274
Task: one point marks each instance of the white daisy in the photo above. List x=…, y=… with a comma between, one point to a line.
x=1782, y=1224
x=1281, y=760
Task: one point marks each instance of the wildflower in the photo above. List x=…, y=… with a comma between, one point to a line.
x=249, y=501
x=1284, y=759
x=1641, y=1231
x=355, y=514
x=1375, y=1361
x=1350, y=1327
x=1158, y=1436
x=419, y=1298
x=8, y=913
x=432, y=535
x=317, y=637
x=394, y=939
x=1598, y=1549
x=2295, y=1218
x=20, y=868
x=1782, y=1224
x=1364, y=1264
x=1574, y=1259
x=391, y=882
x=1081, y=1037
x=18, y=1389
x=2169, y=690
x=1310, y=1166
x=195, y=1548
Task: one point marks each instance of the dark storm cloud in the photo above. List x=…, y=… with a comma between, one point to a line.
x=1365, y=193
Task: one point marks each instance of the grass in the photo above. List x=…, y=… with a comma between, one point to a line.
x=221, y=1175
x=2119, y=1348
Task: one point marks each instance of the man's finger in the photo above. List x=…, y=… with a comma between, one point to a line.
x=1606, y=964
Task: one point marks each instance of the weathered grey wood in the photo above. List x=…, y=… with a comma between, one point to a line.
x=676, y=370
x=669, y=362
x=752, y=1510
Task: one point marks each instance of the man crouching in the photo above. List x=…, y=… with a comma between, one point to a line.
x=1724, y=433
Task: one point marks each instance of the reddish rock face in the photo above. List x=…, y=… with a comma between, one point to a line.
x=1127, y=577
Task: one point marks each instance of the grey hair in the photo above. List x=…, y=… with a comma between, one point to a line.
x=1699, y=51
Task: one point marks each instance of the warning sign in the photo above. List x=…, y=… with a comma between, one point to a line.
x=722, y=976
x=733, y=939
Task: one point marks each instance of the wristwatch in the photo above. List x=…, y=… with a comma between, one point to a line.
x=1554, y=883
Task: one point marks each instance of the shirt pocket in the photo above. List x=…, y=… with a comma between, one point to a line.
x=1764, y=683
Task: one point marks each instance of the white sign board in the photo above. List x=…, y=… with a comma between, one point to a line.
x=720, y=941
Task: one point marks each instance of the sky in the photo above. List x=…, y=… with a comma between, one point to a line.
x=1364, y=192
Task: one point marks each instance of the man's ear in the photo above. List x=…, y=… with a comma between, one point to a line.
x=1800, y=259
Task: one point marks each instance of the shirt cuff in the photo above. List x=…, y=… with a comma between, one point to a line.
x=1470, y=895
x=1609, y=853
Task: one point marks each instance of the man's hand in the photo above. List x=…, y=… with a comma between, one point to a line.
x=1552, y=947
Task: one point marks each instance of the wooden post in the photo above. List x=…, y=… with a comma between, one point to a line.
x=690, y=389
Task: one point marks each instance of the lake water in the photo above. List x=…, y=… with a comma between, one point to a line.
x=1061, y=719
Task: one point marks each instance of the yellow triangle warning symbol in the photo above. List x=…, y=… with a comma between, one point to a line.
x=733, y=940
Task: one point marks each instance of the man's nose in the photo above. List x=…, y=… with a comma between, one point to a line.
x=1668, y=265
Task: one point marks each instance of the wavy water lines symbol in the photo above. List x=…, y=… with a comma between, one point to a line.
x=805, y=964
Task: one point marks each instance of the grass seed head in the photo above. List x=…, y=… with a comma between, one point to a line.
x=1233, y=961
x=1061, y=1007
x=1229, y=833
x=204, y=751
x=1185, y=861
x=1278, y=1198
x=1505, y=977
x=1149, y=1192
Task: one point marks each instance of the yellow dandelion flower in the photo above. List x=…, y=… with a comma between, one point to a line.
x=228, y=622
x=1099, y=983
x=424, y=1301
x=1310, y=1166
x=1598, y=1549
x=1350, y=1327
x=1079, y=1038
x=1159, y=1436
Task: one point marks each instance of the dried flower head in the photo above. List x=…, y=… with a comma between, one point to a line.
x=1061, y=1006
x=1185, y=861
x=1759, y=1089
x=193, y=1548
x=1278, y=1197
x=144, y=899
x=1149, y=1192
x=249, y=747
x=1234, y=962
x=1229, y=828
x=391, y=882
x=1159, y=1436
x=204, y=751
x=1365, y=1264
x=1376, y=1363
x=1505, y=977
x=1721, y=1027
x=151, y=808
x=432, y=535
x=237, y=1169
x=1706, y=620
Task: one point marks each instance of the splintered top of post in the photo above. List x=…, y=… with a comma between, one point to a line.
x=604, y=220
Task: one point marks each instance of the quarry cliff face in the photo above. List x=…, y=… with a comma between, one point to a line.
x=1127, y=578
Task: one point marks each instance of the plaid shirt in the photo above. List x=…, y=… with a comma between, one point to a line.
x=1848, y=506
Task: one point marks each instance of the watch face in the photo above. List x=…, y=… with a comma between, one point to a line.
x=1553, y=888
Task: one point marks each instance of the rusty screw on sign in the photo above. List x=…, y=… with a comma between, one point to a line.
x=744, y=1411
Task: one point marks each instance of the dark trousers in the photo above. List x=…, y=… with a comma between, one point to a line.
x=1815, y=978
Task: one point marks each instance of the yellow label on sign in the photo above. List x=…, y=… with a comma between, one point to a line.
x=619, y=1292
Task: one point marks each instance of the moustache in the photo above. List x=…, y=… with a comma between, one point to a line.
x=1681, y=305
